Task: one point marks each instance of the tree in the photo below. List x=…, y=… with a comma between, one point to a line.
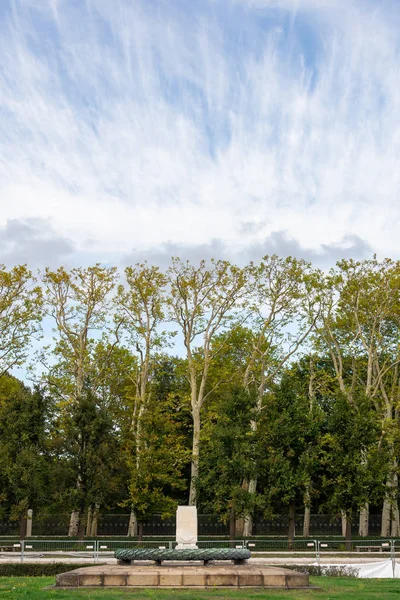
x=157, y=473
x=358, y=326
x=352, y=457
x=289, y=431
x=89, y=443
x=229, y=455
x=24, y=457
x=20, y=315
x=284, y=305
x=79, y=301
x=202, y=302
x=140, y=306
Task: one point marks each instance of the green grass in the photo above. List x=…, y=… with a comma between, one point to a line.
x=335, y=588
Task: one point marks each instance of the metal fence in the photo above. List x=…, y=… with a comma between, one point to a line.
x=100, y=549
x=208, y=526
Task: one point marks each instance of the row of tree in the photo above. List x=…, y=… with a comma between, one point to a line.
x=287, y=390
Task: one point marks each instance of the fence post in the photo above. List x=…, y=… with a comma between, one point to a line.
x=317, y=542
x=393, y=556
x=22, y=549
x=170, y=545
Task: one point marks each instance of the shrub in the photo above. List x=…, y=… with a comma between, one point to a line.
x=324, y=571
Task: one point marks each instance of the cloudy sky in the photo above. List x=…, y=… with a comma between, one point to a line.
x=133, y=129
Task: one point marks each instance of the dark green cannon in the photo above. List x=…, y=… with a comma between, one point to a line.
x=238, y=555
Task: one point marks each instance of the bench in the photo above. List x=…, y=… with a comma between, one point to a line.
x=372, y=548
x=237, y=555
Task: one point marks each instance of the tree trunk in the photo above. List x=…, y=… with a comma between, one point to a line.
x=292, y=523
x=348, y=534
x=386, y=518
x=248, y=520
x=306, y=521
x=307, y=513
x=232, y=525
x=395, y=526
x=239, y=527
x=395, y=503
x=364, y=521
x=140, y=531
x=29, y=523
x=74, y=524
x=195, y=456
x=133, y=525
x=95, y=520
x=81, y=530
x=344, y=522
x=390, y=510
x=248, y=526
x=89, y=522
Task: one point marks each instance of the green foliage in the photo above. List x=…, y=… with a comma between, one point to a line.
x=229, y=454
x=158, y=458
x=90, y=445
x=24, y=459
x=119, y=424
x=352, y=456
x=289, y=432
x=20, y=315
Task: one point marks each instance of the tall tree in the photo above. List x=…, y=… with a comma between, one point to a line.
x=202, y=301
x=358, y=326
x=289, y=433
x=352, y=457
x=79, y=301
x=157, y=473
x=92, y=449
x=141, y=307
x=229, y=455
x=20, y=315
x=284, y=305
x=25, y=463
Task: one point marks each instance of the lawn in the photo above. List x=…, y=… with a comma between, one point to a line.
x=333, y=588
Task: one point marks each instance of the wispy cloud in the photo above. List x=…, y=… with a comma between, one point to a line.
x=155, y=124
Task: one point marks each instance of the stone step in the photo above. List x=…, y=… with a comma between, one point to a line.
x=183, y=577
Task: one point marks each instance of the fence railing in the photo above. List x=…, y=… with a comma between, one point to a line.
x=96, y=550
x=208, y=525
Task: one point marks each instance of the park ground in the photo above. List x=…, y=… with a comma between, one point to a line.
x=331, y=588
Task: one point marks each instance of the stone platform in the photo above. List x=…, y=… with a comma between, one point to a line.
x=183, y=576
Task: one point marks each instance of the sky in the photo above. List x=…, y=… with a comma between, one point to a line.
x=135, y=130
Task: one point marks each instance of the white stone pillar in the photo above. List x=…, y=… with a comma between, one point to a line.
x=186, y=527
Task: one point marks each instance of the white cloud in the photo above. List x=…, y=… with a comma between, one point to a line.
x=138, y=127
x=33, y=241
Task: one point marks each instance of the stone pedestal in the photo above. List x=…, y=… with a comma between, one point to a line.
x=182, y=576
x=186, y=527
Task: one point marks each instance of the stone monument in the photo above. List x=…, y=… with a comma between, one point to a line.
x=185, y=571
x=186, y=527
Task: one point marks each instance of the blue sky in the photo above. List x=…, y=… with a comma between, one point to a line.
x=138, y=129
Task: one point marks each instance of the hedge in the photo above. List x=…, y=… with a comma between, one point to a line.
x=38, y=569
